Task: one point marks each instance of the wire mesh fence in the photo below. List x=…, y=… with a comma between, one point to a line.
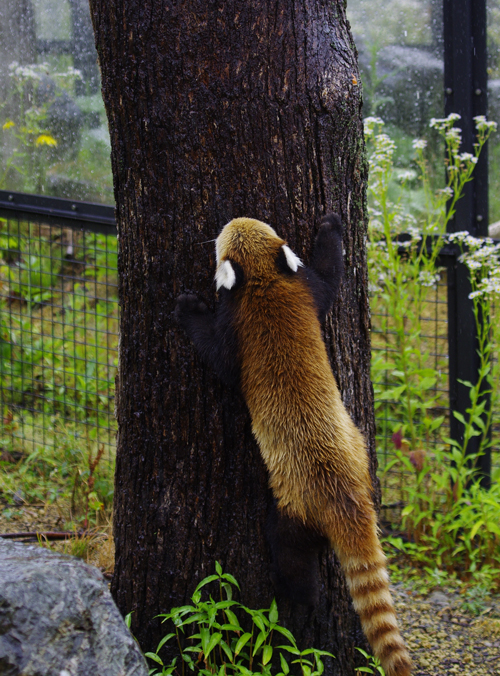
x=59, y=342
x=391, y=407
x=58, y=339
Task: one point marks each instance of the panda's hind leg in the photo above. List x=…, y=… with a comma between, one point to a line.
x=295, y=549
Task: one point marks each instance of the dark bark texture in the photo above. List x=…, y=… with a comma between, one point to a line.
x=217, y=110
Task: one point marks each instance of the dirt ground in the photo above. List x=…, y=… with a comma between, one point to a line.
x=95, y=547
x=443, y=639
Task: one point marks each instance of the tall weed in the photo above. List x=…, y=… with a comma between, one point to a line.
x=449, y=520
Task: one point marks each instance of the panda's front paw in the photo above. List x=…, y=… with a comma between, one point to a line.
x=330, y=223
x=187, y=306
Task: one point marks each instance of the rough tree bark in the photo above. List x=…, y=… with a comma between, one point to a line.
x=217, y=110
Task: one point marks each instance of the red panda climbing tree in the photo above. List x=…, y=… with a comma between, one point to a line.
x=218, y=110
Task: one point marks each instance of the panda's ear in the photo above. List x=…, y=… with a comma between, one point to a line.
x=229, y=275
x=288, y=261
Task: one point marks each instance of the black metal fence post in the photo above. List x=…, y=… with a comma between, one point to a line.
x=465, y=82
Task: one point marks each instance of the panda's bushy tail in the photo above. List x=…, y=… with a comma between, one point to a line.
x=368, y=582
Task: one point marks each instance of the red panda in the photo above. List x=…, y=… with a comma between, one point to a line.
x=266, y=337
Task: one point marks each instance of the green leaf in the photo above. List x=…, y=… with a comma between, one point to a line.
x=230, y=579
x=242, y=641
x=427, y=383
x=205, y=639
x=475, y=528
x=228, y=589
x=163, y=641
x=284, y=665
x=393, y=394
x=459, y=417
x=244, y=670
x=222, y=605
x=214, y=640
x=154, y=657
x=273, y=612
x=267, y=654
x=227, y=650
x=207, y=580
x=233, y=619
x=287, y=634
x=261, y=637
x=436, y=423
x=218, y=568
x=290, y=649
x=260, y=622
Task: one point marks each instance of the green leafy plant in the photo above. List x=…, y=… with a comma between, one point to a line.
x=451, y=523
x=58, y=354
x=373, y=666
x=482, y=257
x=225, y=637
x=403, y=272
x=60, y=342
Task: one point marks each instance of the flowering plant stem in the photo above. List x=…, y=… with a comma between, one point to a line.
x=450, y=521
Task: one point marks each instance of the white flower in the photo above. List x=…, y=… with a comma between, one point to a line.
x=406, y=175
x=458, y=236
x=453, y=134
x=444, y=122
x=447, y=192
x=419, y=144
x=482, y=123
x=428, y=278
x=370, y=123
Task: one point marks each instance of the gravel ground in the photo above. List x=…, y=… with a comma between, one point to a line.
x=443, y=639
x=30, y=518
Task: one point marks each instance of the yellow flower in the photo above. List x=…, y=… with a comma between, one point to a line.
x=9, y=124
x=45, y=140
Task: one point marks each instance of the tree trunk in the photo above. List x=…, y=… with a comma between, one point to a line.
x=218, y=110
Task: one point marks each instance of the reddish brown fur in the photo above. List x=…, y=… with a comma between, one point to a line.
x=315, y=455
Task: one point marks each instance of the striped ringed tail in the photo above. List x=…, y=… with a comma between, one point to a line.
x=369, y=587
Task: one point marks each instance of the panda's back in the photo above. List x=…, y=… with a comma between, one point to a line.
x=285, y=372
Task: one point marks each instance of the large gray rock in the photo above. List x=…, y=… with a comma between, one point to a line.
x=57, y=618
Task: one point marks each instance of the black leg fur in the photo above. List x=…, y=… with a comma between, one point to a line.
x=295, y=550
x=212, y=335
x=327, y=264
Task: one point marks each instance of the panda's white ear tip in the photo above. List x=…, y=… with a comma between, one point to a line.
x=225, y=276
x=293, y=261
